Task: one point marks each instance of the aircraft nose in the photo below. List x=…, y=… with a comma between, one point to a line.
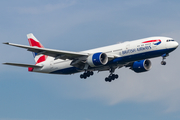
x=176, y=44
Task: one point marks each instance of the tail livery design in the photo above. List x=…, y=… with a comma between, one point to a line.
x=35, y=43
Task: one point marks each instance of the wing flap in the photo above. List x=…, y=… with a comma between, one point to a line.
x=23, y=65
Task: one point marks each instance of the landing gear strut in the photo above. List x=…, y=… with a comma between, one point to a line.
x=86, y=74
x=111, y=76
x=163, y=58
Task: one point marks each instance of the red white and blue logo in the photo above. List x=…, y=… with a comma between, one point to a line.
x=156, y=42
x=40, y=58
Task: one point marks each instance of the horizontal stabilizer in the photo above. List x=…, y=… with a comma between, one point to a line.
x=23, y=65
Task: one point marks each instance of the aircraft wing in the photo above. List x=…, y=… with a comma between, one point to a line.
x=58, y=54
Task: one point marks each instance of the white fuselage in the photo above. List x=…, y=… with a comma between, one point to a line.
x=121, y=54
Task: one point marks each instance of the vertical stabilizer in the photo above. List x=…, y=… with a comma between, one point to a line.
x=35, y=43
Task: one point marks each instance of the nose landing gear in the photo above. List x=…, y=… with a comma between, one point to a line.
x=163, y=62
x=163, y=58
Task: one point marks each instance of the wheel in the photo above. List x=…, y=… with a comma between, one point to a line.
x=116, y=76
x=110, y=77
x=106, y=79
x=81, y=76
x=163, y=62
x=113, y=77
x=91, y=73
x=85, y=74
x=88, y=74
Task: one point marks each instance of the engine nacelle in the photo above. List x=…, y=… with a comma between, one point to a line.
x=141, y=66
x=97, y=59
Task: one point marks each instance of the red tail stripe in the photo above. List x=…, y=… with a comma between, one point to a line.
x=41, y=59
x=34, y=43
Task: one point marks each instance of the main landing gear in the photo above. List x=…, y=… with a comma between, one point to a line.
x=86, y=74
x=163, y=58
x=111, y=76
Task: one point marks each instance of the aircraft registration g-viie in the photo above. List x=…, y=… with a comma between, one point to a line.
x=133, y=54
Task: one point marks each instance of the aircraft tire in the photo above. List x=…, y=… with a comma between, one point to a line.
x=116, y=76
x=85, y=74
x=81, y=76
x=163, y=62
x=88, y=75
x=91, y=73
x=113, y=77
x=106, y=79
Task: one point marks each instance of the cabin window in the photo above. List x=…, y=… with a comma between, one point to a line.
x=170, y=40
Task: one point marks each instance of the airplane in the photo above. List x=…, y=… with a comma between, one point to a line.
x=132, y=54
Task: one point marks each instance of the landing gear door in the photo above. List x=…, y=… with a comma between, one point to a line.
x=166, y=45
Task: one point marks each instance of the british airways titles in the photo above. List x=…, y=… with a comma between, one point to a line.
x=136, y=49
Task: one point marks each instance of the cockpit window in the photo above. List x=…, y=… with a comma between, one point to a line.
x=169, y=40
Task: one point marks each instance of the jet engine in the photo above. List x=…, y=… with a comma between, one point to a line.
x=97, y=59
x=141, y=66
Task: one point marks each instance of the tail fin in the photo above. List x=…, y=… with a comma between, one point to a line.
x=35, y=43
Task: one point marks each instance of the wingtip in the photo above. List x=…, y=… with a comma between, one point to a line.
x=7, y=43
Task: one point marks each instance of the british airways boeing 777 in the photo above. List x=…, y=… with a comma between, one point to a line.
x=134, y=54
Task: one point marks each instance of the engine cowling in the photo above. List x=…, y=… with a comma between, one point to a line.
x=97, y=59
x=141, y=66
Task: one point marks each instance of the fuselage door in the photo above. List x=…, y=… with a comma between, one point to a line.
x=51, y=64
x=127, y=46
x=166, y=44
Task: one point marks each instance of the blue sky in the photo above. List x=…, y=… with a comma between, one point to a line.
x=77, y=25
